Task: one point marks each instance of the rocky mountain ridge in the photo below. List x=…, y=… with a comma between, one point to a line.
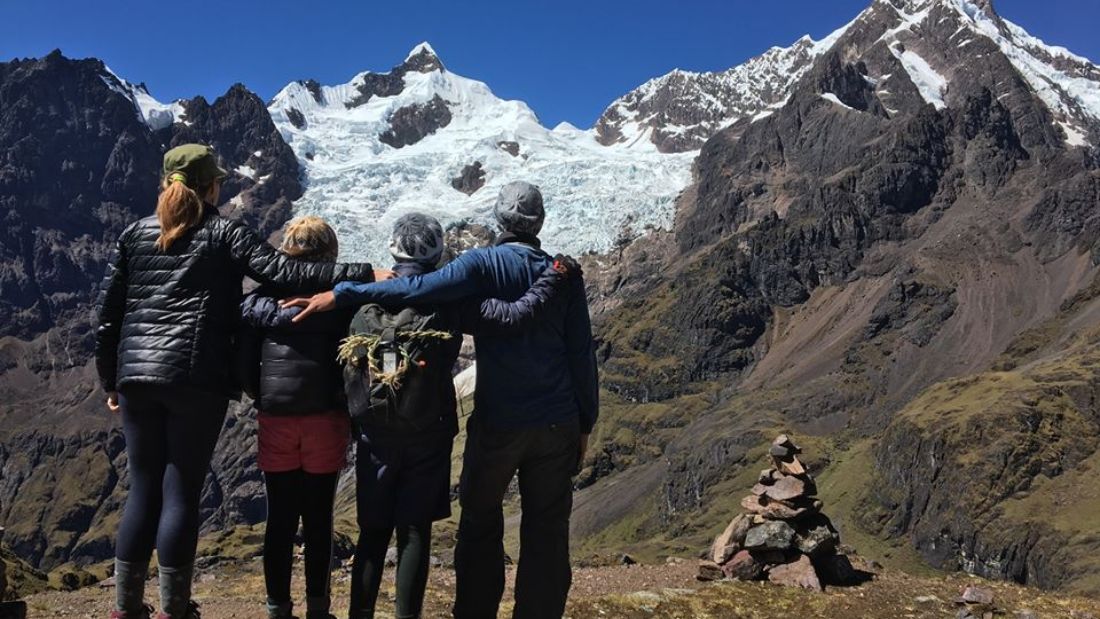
x=679, y=111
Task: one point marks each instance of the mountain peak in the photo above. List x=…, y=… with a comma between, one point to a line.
x=423, y=48
x=422, y=59
x=967, y=6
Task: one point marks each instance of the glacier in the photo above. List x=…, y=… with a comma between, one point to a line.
x=595, y=195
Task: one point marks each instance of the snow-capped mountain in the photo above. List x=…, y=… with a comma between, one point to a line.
x=939, y=41
x=679, y=111
x=422, y=138
x=153, y=113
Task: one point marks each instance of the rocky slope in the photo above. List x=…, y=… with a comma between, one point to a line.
x=637, y=591
x=919, y=206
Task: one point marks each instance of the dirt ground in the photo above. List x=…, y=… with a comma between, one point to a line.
x=636, y=591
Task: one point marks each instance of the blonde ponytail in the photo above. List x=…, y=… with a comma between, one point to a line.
x=179, y=209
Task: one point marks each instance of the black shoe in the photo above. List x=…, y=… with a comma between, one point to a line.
x=192, y=612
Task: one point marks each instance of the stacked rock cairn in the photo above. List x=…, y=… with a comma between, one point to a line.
x=781, y=536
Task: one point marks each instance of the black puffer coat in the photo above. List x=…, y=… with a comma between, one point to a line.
x=290, y=368
x=171, y=318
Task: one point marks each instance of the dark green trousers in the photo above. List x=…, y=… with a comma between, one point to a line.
x=545, y=459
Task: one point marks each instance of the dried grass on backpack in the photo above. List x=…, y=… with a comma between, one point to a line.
x=355, y=348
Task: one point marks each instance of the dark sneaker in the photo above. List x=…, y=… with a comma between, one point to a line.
x=281, y=614
x=191, y=613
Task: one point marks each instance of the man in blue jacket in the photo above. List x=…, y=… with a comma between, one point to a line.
x=535, y=405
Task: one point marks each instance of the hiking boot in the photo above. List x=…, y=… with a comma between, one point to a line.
x=281, y=613
x=192, y=612
x=146, y=613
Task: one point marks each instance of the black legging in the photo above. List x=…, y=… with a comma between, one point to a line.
x=413, y=555
x=290, y=496
x=170, y=437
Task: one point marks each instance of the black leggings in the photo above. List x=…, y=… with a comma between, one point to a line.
x=290, y=496
x=414, y=544
x=170, y=437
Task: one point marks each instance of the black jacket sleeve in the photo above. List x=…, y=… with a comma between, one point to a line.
x=249, y=354
x=581, y=349
x=261, y=311
x=259, y=260
x=494, y=316
x=112, y=306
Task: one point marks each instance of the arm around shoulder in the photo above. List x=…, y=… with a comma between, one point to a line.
x=581, y=349
x=496, y=316
x=458, y=280
x=257, y=259
x=263, y=312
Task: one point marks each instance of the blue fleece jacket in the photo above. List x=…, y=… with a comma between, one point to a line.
x=541, y=375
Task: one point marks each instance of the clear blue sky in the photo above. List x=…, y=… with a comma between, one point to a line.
x=566, y=58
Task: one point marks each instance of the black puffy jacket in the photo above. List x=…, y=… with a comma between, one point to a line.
x=290, y=368
x=171, y=318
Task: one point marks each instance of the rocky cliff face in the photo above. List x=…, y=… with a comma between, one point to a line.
x=75, y=170
x=80, y=152
x=264, y=178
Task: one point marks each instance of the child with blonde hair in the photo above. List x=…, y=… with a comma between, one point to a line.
x=291, y=372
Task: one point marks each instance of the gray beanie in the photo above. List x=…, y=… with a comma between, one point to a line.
x=417, y=238
x=519, y=208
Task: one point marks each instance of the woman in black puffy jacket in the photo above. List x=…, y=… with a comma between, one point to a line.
x=168, y=316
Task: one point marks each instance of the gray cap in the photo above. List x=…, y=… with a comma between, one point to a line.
x=417, y=238
x=519, y=208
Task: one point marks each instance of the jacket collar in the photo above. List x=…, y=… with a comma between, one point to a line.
x=411, y=269
x=518, y=237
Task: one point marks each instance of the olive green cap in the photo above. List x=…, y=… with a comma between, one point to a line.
x=196, y=162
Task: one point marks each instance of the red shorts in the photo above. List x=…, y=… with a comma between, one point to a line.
x=314, y=443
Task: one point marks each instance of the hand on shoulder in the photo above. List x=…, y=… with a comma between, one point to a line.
x=568, y=266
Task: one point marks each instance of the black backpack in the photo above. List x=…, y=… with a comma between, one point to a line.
x=394, y=366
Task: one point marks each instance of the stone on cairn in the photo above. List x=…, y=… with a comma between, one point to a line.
x=976, y=603
x=782, y=536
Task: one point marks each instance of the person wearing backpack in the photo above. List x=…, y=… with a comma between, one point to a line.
x=290, y=371
x=536, y=402
x=402, y=396
x=167, y=320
